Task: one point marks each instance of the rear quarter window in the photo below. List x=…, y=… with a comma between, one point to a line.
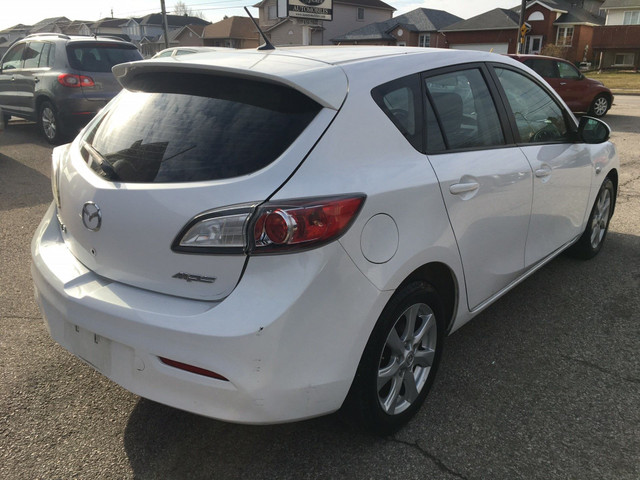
x=192, y=127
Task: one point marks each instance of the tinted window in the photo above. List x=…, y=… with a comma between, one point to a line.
x=185, y=128
x=537, y=115
x=466, y=113
x=46, y=58
x=13, y=58
x=100, y=57
x=31, y=55
x=544, y=68
x=400, y=101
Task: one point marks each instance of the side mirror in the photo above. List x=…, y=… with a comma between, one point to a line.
x=593, y=130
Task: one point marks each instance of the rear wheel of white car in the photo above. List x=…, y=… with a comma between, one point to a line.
x=49, y=123
x=399, y=362
x=593, y=237
x=600, y=106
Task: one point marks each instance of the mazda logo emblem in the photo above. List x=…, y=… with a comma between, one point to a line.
x=91, y=216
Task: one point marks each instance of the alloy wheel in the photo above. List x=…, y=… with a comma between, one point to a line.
x=600, y=218
x=49, y=123
x=406, y=358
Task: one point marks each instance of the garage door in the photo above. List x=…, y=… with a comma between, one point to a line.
x=483, y=47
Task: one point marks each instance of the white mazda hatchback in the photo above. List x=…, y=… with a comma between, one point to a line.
x=263, y=237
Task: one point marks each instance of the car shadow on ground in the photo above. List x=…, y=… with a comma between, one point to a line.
x=536, y=386
x=16, y=179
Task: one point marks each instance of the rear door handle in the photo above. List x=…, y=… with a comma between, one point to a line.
x=36, y=79
x=460, y=188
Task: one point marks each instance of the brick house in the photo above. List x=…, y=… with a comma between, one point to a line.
x=569, y=25
x=417, y=28
x=617, y=43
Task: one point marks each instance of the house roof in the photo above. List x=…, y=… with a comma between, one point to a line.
x=18, y=27
x=49, y=21
x=232, y=27
x=620, y=4
x=172, y=20
x=571, y=12
x=360, y=3
x=110, y=22
x=496, y=19
x=418, y=20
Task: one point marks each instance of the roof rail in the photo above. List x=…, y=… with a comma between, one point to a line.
x=112, y=37
x=48, y=34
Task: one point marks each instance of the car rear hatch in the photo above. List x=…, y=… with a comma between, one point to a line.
x=94, y=60
x=178, y=144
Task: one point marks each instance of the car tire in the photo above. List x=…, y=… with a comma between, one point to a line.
x=594, y=235
x=600, y=106
x=49, y=123
x=399, y=362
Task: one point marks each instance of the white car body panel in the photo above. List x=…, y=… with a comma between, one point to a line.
x=493, y=219
x=288, y=330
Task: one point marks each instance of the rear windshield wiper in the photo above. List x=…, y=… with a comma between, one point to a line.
x=104, y=164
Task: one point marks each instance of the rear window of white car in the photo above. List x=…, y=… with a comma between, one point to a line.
x=192, y=127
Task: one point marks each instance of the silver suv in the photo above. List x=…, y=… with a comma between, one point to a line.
x=61, y=81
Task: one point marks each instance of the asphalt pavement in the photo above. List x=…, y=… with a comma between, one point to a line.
x=544, y=384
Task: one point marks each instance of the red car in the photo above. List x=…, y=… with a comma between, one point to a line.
x=580, y=93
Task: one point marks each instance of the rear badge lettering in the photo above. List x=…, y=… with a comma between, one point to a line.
x=194, y=278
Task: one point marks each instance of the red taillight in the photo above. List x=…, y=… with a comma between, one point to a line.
x=303, y=223
x=193, y=369
x=74, y=81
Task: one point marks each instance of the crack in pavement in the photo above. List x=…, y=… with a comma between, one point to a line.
x=439, y=463
x=599, y=368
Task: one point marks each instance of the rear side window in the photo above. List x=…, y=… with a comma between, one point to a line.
x=33, y=54
x=466, y=114
x=544, y=68
x=191, y=127
x=97, y=57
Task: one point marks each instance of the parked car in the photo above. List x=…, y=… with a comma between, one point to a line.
x=61, y=81
x=177, y=51
x=263, y=238
x=580, y=93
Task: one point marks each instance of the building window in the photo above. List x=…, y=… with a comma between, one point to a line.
x=424, y=40
x=565, y=36
x=631, y=18
x=360, y=14
x=624, y=59
x=273, y=12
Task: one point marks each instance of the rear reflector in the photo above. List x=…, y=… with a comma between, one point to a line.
x=190, y=368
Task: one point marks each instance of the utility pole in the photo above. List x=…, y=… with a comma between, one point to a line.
x=165, y=27
x=522, y=29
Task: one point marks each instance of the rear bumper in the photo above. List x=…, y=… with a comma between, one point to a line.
x=288, y=338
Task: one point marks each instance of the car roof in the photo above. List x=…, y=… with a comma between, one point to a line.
x=322, y=73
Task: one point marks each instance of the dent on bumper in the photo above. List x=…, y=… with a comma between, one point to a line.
x=288, y=338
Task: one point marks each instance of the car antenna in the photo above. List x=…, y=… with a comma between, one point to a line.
x=267, y=44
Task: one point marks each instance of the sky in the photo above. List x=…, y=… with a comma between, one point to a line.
x=29, y=12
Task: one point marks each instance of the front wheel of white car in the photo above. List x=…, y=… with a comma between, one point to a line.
x=399, y=362
x=594, y=235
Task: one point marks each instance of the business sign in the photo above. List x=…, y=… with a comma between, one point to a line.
x=317, y=9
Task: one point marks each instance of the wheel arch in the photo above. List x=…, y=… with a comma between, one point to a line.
x=613, y=176
x=444, y=280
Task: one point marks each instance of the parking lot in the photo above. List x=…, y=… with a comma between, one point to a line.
x=543, y=384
